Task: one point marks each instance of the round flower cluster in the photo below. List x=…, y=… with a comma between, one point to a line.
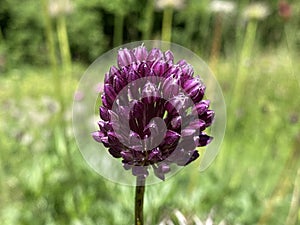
x=153, y=112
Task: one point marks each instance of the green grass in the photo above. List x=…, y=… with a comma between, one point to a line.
x=45, y=180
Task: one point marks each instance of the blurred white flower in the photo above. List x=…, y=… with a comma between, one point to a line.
x=60, y=7
x=225, y=7
x=176, y=4
x=257, y=10
x=182, y=220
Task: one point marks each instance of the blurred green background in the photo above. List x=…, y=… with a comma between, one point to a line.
x=254, y=51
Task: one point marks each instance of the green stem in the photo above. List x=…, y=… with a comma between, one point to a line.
x=216, y=43
x=49, y=33
x=167, y=24
x=148, y=20
x=244, y=59
x=64, y=43
x=139, y=200
x=118, y=29
x=245, y=54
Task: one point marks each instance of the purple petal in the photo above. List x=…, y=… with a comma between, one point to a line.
x=176, y=122
x=203, y=140
x=149, y=93
x=178, y=103
x=127, y=156
x=140, y=171
x=140, y=53
x=182, y=63
x=171, y=138
x=154, y=55
x=208, y=117
x=113, y=138
x=161, y=170
x=115, y=152
x=197, y=125
x=134, y=139
x=187, y=70
x=97, y=135
x=125, y=57
x=169, y=56
x=202, y=106
x=193, y=157
x=113, y=70
x=170, y=87
x=104, y=113
x=155, y=155
x=159, y=68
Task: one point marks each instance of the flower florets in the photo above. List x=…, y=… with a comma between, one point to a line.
x=153, y=112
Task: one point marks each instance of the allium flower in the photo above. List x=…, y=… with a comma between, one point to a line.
x=153, y=112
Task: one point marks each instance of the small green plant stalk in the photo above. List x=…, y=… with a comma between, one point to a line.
x=148, y=21
x=139, y=200
x=118, y=29
x=245, y=56
x=64, y=46
x=217, y=36
x=49, y=33
x=166, y=32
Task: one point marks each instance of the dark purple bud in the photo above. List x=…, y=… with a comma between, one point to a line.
x=100, y=137
x=197, y=125
x=115, y=152
x=97, y=135
x=118, y=83
x=193, y=157
x=208, y=117
x=113, y=138
x=143, y=70
x=202, y=106
x=171, y=138
x=203, y=140
x=127, y=156
x=104, y=113
x=191, y=86
x=104, y=126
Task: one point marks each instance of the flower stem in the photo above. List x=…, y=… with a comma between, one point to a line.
x=167, y=24
x=139, y=200
x=148, y=20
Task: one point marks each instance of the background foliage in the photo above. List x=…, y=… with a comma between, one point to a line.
x=43, y=177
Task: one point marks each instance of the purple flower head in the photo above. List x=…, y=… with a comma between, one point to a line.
x=153, y=112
